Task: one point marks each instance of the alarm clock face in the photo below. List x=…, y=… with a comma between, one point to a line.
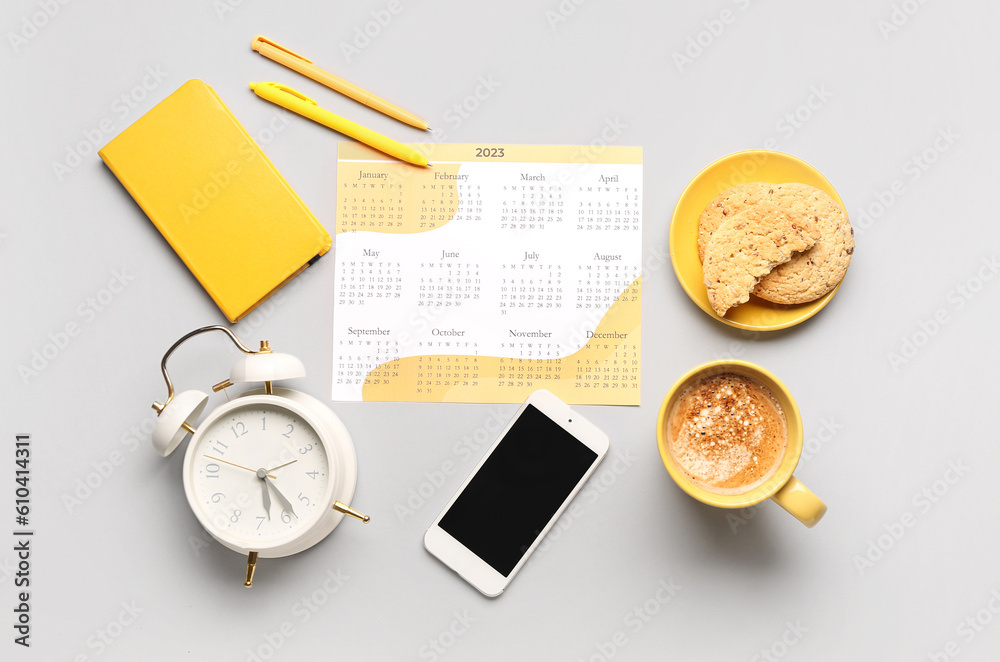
x=258, y=474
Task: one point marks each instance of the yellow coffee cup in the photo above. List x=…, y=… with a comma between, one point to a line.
x=781, y=486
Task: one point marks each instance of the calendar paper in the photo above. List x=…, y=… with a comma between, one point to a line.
x=498, y=271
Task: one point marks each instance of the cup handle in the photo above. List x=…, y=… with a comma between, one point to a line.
x=799, y=500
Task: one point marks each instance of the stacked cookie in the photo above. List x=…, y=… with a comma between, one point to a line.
x=786, y=243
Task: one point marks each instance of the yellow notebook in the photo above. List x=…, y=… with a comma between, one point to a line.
x=211, y=192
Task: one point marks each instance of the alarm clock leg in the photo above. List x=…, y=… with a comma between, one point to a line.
x=347, y=510
x=251, y=568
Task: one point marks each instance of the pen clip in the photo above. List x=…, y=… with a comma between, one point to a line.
x=261, y=39
x=292, y=91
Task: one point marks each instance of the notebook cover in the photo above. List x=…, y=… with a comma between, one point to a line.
x=214, y=195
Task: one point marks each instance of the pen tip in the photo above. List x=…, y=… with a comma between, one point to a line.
x=430, y=165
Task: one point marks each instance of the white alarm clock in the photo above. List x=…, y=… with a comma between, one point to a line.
x=271, y=472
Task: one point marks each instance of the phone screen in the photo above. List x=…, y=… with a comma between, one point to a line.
x=517, y=490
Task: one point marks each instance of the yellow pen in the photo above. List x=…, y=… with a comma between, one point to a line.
x=305, y=66
x=299, y=103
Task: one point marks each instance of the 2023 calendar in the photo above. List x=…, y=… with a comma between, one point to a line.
x=500, y=270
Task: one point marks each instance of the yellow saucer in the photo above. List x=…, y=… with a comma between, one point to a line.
x=756, y=165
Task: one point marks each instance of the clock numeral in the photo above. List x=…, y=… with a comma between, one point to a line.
x=239, y=429
x=263, y=423
x=213, y=469
x=217, y=497
x=291, y=429
x=312, y=474
x=219, y=447
x=305, y=449
x=260, y=520
x=285, y=517
x=236, y=516
x=303, y=497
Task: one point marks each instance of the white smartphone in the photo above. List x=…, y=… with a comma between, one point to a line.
x=516, y=492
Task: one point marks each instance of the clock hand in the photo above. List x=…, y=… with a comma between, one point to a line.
x=238, y=466
x=286, y=504
x=280, y=466
x=262, y=473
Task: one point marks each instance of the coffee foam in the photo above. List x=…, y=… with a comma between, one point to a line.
x=727, y=433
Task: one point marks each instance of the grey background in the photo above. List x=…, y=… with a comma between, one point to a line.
x=861, y=585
